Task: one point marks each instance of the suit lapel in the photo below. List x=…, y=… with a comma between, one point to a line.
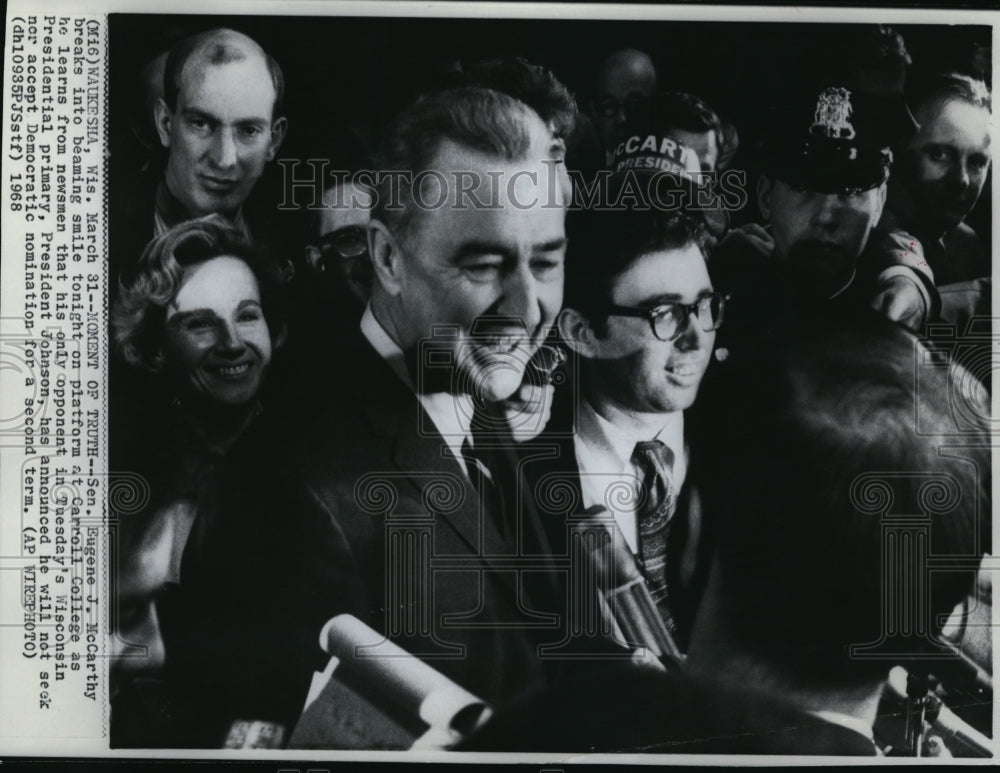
x=425, y=468
x=428, y=464
x=553, y=477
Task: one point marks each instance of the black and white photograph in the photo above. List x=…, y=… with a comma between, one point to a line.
x=550, y=381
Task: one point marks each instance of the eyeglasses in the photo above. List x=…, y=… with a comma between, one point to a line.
x=609, y=107
x=344, y=243
x=343, y=246
x=669, y=320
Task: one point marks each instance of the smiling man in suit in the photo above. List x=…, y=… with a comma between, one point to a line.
x=377, y=494
x=467, y=242
x=640, y=319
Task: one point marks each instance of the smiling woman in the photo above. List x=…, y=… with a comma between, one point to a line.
x=194, y=314
x=199, y=318
x=215, y=339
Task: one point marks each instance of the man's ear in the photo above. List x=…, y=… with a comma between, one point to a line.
x=278, y=129
x=576, y=332
x=163, y=118
x=386, y=255
x=880, y=202
x=314, y=258
x=764, y=187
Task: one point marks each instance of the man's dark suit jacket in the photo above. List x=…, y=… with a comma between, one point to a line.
x=375, y=467
x=352, y=503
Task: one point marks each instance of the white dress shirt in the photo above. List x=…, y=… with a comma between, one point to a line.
x=451, y=414
x=604, y=456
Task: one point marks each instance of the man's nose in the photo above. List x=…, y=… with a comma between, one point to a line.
x=223, y=150
x=692, y=335
x=826, y=214
x=520, y=298
x=959, y=176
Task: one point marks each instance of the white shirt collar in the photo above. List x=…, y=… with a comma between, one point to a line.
x=615, y=442
x=383, y=344
x=604, y=456
x=451, y=414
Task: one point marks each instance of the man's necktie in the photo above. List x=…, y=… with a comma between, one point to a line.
x=481, y=473
x=657, y=503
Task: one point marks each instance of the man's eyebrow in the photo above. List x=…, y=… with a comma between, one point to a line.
x=664, y=298
x=194, y=112
x=551, y=246
x=659, y=300
x=475, y=248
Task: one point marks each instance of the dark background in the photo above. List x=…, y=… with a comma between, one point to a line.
x=345, y=76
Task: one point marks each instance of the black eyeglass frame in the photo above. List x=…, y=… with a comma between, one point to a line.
x=326, y=243
x=687, y=309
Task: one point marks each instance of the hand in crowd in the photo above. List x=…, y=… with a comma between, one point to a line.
x=899, y=298
x=934, y=747
x=750, y=236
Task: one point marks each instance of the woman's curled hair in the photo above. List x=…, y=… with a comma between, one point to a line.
x=139, y=312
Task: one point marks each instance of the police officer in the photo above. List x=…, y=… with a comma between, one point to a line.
x=826, y=162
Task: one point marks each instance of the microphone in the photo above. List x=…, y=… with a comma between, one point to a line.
x=943, y=721
x=624, y=588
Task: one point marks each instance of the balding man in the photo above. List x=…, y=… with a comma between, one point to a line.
x=220, y=120
x=625, y=77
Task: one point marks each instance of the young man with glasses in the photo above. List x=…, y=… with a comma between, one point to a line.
x=640, y=316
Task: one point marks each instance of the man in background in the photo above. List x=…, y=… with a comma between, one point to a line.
x=220, y=120
x=821, y=194
x=941, y=174
x=624, y=78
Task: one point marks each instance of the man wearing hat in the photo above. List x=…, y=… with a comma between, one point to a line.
x=658, y=165
x=826, y=163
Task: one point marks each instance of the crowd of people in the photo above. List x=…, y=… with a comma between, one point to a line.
x=522, y=312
